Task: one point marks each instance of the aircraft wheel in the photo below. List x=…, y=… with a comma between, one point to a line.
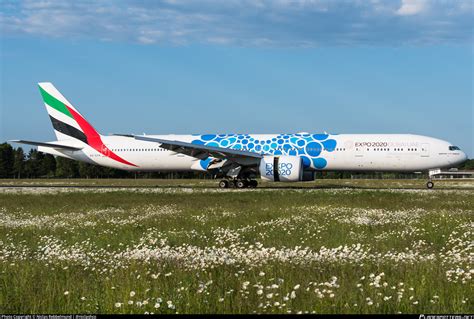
x=223, y=184
x=430, y=184
x=240, y=184
x=253, y=183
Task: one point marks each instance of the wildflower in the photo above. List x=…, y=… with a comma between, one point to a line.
x=261, y=274
x=370, y=303
x=83, y=298
x=130, y=302
x=259, y=292
x=296, y=287
x=118, y=304
x=132, y=293
x=293, y=295
x=221, y=299
x=66, y=293
x=270, y=295
x=157, y=305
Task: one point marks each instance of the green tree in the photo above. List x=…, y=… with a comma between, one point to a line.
x=66, y=167
x=468, y=165
x=31, y=165
x=6, y=160
x=48, y=165
x=18, y=162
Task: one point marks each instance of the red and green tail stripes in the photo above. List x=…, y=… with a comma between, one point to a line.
x=54, y=103
x=86, y=134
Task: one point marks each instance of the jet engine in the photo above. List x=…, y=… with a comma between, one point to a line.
x=284, y=169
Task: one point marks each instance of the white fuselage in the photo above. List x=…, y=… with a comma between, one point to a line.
x=352, y=152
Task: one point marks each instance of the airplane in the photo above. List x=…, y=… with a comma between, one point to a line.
x=239, y=158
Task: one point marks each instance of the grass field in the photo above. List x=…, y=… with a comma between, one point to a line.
x=181, y=249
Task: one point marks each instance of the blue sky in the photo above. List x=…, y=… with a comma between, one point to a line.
x=242, y=66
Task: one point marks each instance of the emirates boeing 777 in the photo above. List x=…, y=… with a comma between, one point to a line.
x=239, y=158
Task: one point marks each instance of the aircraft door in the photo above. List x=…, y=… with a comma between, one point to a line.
x=425, y=150
x=359, y=157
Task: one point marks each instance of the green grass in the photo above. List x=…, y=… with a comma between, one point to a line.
x=198, y=247
x=204, y=183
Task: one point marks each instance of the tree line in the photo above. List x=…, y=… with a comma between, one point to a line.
x=15, y=163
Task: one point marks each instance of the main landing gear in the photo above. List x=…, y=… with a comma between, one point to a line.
x=429, y=184
x=238, y=183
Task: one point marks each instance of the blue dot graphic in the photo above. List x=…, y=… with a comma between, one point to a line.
x=313, y=149
x=320, y=137
x=319, y=162
x=306, y=162
x=329, y=145
x=207, y=137
x=198, y=142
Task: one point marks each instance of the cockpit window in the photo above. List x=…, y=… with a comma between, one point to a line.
x=454, y=148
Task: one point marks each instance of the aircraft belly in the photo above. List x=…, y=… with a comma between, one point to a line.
x=167, y=162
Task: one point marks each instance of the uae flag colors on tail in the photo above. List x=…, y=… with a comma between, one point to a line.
x=69, y=123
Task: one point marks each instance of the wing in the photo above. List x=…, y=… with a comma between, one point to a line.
x=53, y=145
x=203, y=151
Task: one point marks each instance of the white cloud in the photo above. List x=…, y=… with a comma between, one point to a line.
x=411, y=7
x=263, y=23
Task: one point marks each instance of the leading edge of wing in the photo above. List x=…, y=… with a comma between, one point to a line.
x=212, y=150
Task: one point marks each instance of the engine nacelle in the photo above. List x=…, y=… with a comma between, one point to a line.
x=281, y=168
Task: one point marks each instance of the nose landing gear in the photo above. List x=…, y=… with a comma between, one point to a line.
x=429, y=184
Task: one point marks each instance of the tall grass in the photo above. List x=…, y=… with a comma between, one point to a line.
x=210, y=251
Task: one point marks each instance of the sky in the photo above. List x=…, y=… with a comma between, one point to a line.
x=240, y=66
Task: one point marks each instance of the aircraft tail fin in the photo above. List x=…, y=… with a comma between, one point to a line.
x=67, y=121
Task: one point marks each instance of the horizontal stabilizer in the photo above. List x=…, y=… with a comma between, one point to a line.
x=124, y=135
x=47, y=144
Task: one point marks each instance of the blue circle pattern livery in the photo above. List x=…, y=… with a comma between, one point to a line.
x=307, y=146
